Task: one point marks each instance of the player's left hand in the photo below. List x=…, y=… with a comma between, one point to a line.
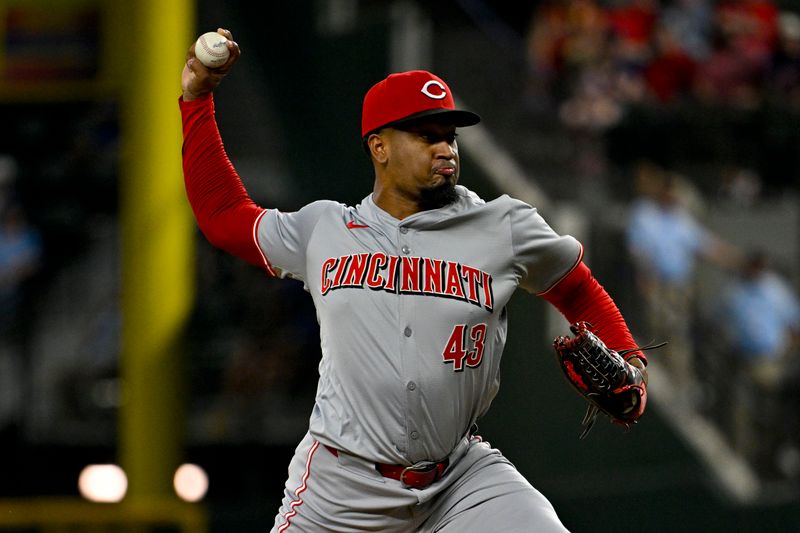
x=638, y=363
x=197, y=80
x=602, y=376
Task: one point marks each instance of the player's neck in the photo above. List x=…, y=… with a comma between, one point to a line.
x=394, y=203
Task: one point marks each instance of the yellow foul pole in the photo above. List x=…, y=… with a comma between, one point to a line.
x=157, y=244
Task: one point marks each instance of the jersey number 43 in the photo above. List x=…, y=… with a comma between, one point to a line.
x=465, y=346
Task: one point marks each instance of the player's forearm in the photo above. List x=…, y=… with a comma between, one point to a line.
x=222, y=207
x=580, y=297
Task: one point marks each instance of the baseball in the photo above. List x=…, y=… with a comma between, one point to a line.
x=211, y=49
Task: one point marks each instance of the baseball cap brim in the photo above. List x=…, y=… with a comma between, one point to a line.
x=459, y=118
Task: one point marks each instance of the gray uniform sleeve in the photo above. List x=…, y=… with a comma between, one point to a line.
x=284, y=237
x=544, y=256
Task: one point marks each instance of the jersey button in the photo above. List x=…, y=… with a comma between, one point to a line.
x=411, y=385
x=405, y=249
x=404, y=230
x=407, y=332
x=414, y=435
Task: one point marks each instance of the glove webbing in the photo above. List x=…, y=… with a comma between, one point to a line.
x=593, y=410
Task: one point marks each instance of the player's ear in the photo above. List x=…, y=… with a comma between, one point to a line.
x=377, y=147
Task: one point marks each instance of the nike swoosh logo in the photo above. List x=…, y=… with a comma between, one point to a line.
x=354, y=225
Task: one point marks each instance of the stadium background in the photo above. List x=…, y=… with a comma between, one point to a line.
x=236, y=395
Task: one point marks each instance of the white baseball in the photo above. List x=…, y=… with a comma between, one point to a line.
x=211, y=49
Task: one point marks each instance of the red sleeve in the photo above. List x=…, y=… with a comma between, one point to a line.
x=579, y=297
x=224, y=211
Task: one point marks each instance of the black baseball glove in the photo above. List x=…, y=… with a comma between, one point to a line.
x=602, y=376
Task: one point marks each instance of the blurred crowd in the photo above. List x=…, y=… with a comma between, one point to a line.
x=692, y=104
x=734, y=348
x=594, y=58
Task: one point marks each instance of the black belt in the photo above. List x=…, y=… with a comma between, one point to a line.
x=417, y=476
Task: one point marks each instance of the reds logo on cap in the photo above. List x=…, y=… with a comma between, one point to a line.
x=442, y=89
x=410, y=95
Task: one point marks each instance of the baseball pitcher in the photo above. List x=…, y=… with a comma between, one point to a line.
x=410, y=287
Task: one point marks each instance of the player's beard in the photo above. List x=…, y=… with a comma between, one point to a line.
x=439, y=196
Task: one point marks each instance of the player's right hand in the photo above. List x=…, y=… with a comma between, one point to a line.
x=198, y=80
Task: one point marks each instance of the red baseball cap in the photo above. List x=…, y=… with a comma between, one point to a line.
x=406, y=96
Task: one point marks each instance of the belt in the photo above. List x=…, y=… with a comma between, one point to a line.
x=417, y=476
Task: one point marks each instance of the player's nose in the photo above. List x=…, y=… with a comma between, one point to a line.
x=445, y=150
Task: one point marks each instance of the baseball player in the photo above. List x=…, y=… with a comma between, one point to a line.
x=410, y=288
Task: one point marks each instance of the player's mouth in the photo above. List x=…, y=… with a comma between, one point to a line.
x=445, y=170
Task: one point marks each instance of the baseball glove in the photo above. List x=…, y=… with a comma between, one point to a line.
x=602, y=376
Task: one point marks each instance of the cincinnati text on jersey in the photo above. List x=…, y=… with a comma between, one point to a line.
x=408, y=275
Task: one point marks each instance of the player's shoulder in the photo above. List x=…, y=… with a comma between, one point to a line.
x=471, y=199
x=506, y=208
x=325, y=205
x=510, y=201
x=319, y=208
x=308, y=216
x=510, y=205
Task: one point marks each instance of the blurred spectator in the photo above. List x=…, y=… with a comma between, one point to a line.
x=725, y=79
x=760, y=317
x=563, y=37
x=752, y=27
x=20, y=251
x=20, y=254
x=8, y=176
x=593, y=104
x=544, y=37
x=740, y=187
x=631, y=24
x=586, y=59
x=744, y=41
x=664, y=240
x=784, y=76
x=691, y=23
x=670, y=73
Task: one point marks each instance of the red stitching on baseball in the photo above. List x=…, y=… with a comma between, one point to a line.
x=209, y=50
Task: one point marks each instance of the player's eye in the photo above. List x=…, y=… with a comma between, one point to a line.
x=432, y=138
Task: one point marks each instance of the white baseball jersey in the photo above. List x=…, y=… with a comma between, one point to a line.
x=412, y=313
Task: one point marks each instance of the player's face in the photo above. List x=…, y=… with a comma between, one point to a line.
x=424, y=163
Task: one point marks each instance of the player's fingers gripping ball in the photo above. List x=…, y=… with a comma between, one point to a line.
x=211, y=49
x=609, y=383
